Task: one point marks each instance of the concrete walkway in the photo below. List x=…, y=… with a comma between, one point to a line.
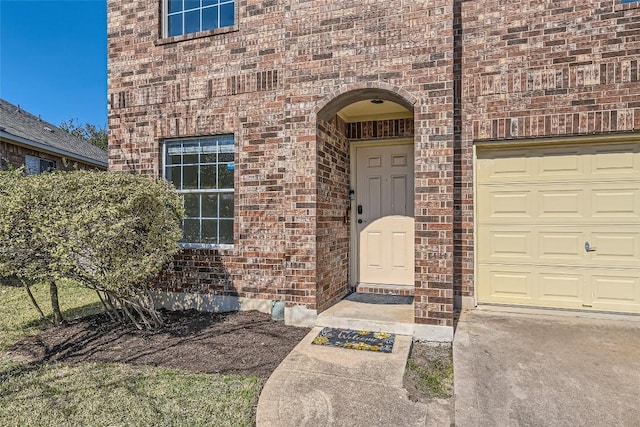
x=328, y=386
x=546, y=370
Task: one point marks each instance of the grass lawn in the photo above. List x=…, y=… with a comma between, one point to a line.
x=107, y=394
x=18, y=317
x=429, y=371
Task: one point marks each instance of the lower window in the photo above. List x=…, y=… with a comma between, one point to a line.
x=202, y=169
x=35, y=165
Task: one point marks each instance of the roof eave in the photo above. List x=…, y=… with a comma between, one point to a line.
x=49, y=149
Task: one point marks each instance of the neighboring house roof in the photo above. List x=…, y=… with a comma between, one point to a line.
x=26, y=129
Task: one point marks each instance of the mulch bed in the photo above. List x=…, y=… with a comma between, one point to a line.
x=244, y=342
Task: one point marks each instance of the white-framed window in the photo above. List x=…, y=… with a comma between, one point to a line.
x=192, y=16
x=35, y=165
x=202, y=169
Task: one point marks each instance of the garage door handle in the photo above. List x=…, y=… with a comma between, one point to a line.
x=588, y=248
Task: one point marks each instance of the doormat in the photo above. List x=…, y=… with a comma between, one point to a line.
x=356, y=340
x=379, y=298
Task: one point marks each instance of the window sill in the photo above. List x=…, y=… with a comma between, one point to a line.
x=205, y=246
x=193, y=36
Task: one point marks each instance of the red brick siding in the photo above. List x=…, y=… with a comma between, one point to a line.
x=552, y=68
x=265, y=82
x=332, y=241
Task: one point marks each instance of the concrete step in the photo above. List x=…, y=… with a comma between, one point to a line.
x=392, y=318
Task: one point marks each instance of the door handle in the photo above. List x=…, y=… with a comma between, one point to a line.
x=588, y=248
x=359, y=209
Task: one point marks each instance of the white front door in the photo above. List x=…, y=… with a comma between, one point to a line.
x=384, y=214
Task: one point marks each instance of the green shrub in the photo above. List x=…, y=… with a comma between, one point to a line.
x=112, y=232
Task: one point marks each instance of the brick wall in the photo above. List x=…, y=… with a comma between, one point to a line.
x=333, y=210
x=265, y=82
x=534, y=69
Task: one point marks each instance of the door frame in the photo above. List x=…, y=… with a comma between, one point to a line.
x=354, y=249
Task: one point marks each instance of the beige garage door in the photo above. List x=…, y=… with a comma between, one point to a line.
x=560, y=226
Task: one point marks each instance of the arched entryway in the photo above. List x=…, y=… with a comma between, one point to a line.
x=365, y=189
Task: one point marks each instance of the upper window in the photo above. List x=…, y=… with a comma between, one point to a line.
x=202, y=169
x=193, y=16
x=35, y=165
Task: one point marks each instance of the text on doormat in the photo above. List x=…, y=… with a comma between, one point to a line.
x=356, y=340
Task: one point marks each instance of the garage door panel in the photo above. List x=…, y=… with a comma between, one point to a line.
x=566, y=247
x=506, y=285
x=623, y=201
x=504, y=244
x=560, y=288
x=555, y=203
x=511, y=244
x=615, y=248
x=504, y=202
x=616, y=291
x=536, y=213
x=555, y=164
x=615, y=160
x=505, y=165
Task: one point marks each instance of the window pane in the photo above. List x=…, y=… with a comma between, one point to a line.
x=210, y=18
x=210, y=231
x=190, y=153
x=226, y=231
x=191, y=4
x=173, y=175
x=46, y=165
x=210, y=205
x=225, y=175
x=226, y=15
x=192, y=205
x=173, y=159
x=208, y=152
x=225, y=157
x=192, y=21
x=208, y=176
x=190, y=177
x=175, y=25
x=175, y=6
x=209, y=2
x=191, y=231
x=225, y=141
x=226, y=205
x=31, y=165
x=226, y=149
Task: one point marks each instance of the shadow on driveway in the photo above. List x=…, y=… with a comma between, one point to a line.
x=544, y=370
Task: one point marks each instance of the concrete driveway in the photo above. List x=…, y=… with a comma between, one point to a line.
x=546, y=370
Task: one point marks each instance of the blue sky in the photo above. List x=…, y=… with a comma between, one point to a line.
x=53, y=58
